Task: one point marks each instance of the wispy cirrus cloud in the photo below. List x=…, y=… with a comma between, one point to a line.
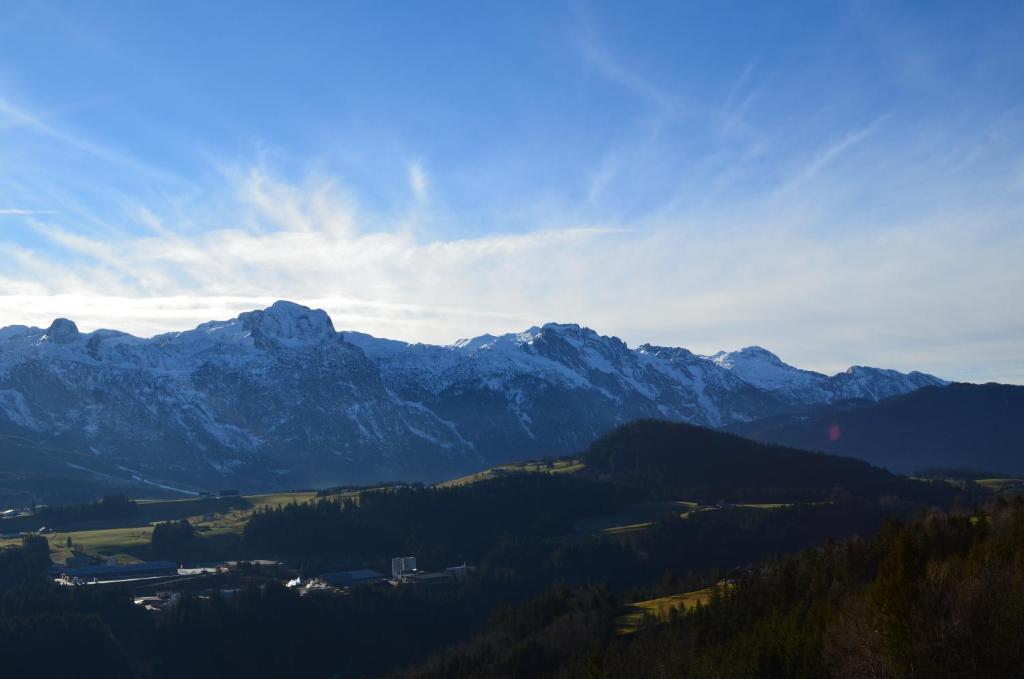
x=419, y=183
x=825, y=301
x=13, y=117
x=820, y=159
x=595, y=51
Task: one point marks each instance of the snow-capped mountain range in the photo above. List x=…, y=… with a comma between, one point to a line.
x=277, y=397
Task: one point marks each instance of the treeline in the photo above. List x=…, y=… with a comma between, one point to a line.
x=170, y=539
x=351, y=488
x=940, y=597
x=116, y=506
x=26, y=565
x=440, y=525
x=959, y=473
x=672, y=460
x=36, y=617
x=521, y=530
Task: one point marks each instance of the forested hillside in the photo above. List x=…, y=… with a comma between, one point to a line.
x=942, y=596
x=440, y=524
x=675, y=460
x=550, y=583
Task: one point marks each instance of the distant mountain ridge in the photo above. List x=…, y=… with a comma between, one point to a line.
x=276, y=397
x=959, y=426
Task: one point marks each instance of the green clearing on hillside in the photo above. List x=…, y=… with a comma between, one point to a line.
x=1003, y=486
x=640, y=516
x=635, y=517
x=553, y=467
x=106, y=542
x=660, y=609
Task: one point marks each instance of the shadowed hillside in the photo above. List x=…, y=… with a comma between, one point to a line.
x=35, y=473
x=676, y=460
x=976, y=426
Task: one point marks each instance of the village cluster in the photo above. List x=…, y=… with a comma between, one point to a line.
x=159, y=585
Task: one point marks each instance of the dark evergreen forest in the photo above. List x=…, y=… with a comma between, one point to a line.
x=856, y=572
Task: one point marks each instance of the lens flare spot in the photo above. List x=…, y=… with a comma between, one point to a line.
x=834, y=433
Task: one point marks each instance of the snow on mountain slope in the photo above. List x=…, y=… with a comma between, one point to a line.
x=876, y=384
x=277, y=397
x=272, y=397
x=563, y=383
x=764, y=370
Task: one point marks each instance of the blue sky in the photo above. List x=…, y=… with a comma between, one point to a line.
x=841, y=183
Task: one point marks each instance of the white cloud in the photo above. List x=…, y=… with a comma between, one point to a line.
x=917, y=295
x=19, y=212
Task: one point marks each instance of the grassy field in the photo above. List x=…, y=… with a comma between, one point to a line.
x=108, y=542
x=1000, y=486
x=1003, y=486
x=635, y=517
x=225, y=516
x=659, y=609
x=640, y=516
x=556, y=467
x=234, y=521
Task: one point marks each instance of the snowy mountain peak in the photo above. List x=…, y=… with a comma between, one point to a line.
x=566, y=328
x=571, y=332
x=580, y=336
x=489, y=342
x=62, y=331
x=289, y=324
x=766, y=371
x=530, y=334
x=727, y=359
